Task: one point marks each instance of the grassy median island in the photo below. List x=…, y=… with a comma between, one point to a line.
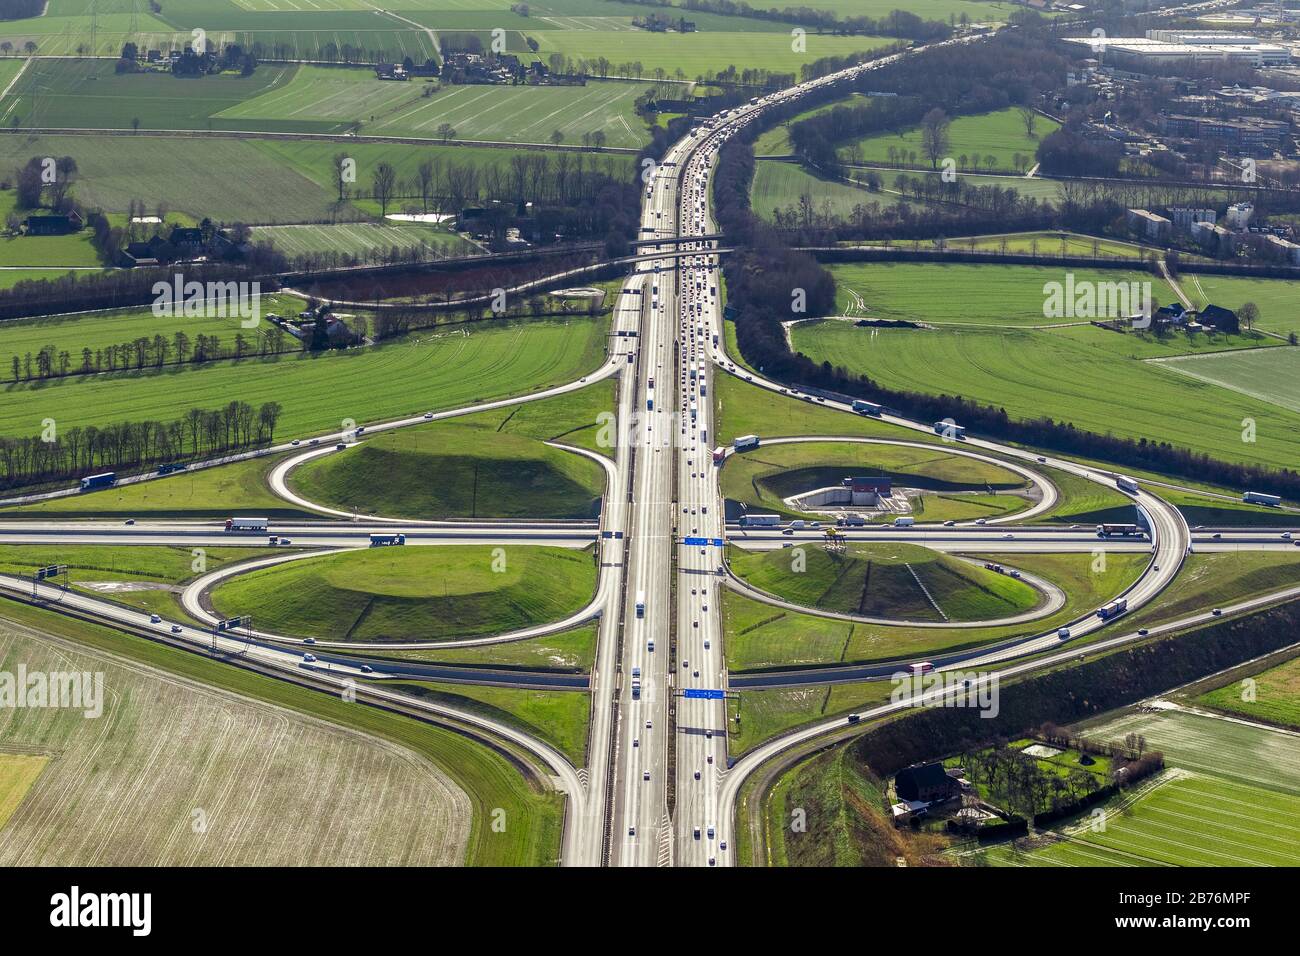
x=148, y=578
x=760, y=636
x=954, y=486
x=486, y=465
x=216, y=492
x=405, y=594
x=886, y=579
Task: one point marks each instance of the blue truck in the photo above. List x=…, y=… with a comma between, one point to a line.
x=106, y=479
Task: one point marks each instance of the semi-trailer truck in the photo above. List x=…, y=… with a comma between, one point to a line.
x=1259, y=498
x=247, y=525
x=904, y=522
x=719, y=455
x=759, y=521
x=866, y=408
x=745, y=442
x=950, y=430
x=1125, y=483
x=1120, y=530
x=104, y=480
x=1113, y=609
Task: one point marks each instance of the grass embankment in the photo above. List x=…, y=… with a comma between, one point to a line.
x=403, y=594
x=146, y=578
x=953, y=486
x=487, y=465
x=216, y=492
x=760, y=636
x=887, y=580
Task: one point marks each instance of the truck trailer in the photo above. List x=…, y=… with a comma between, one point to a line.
x=1125, y=483
x=745, y=442
x=104, y=480
x=247, y=525
x=867, y=408
x=1259, y=498
x=1120, y=530
x=1113, y=609
x=759, y=521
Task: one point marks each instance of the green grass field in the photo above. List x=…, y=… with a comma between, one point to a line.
x=558, y=717
x=967, y=295
x=363, y=238
x=760, y=636
x=490, y=780
x=1269, y=375
x=698, y=54
x=763, y=478
x=96, y=331
x=887, y=580
x=205, y=493
x=743, y=409
x=572, y=652
x=1000, y=134
x=1209, y=579
x=1271, y=696
x=445, y=369
x=50, y=252
x=781, y=185
x=455, y=470
x=147, y=578
x=400, y=595
x=1094, y=378
x=333, y=100
x=1277, y=298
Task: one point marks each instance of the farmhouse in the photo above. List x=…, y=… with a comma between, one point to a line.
x=1224, y=320
x=55, y=224
x=926, y=783
x=391, y=71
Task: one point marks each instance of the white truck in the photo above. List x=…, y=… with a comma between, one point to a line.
x=745, y=442
x=247, y=525
x=904, y=521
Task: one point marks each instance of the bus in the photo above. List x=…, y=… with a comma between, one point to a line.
x=1125, y=483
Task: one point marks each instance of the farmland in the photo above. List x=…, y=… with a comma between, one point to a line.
x=363, y=239
x=1271, y=696
x=966, y=295
x=308, y=792
x=1269, y=375
x=397, y=595
x=1277, y=298
x=1230, y=800
x=72, y=333
x=703, y=53
x=1093, y=378
x=429, y=370
x=336, y=100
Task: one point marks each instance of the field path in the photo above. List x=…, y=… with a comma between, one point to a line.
x=433, y=36
x=17, y=76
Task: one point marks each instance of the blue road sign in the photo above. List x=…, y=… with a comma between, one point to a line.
x=703, y=694
x=700, y=542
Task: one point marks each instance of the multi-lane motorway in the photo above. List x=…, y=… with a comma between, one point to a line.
x=658, y=788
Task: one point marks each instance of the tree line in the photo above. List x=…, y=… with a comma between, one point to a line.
x=78, y=451
x=147, y=352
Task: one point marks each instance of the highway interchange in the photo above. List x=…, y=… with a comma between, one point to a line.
x=659, y=788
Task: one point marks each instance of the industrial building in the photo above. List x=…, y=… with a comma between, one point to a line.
x=1172, y=47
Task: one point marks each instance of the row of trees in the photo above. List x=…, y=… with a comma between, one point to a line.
x=78, y=451
x=148, y=352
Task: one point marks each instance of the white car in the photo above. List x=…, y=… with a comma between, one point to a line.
x=155, y=619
